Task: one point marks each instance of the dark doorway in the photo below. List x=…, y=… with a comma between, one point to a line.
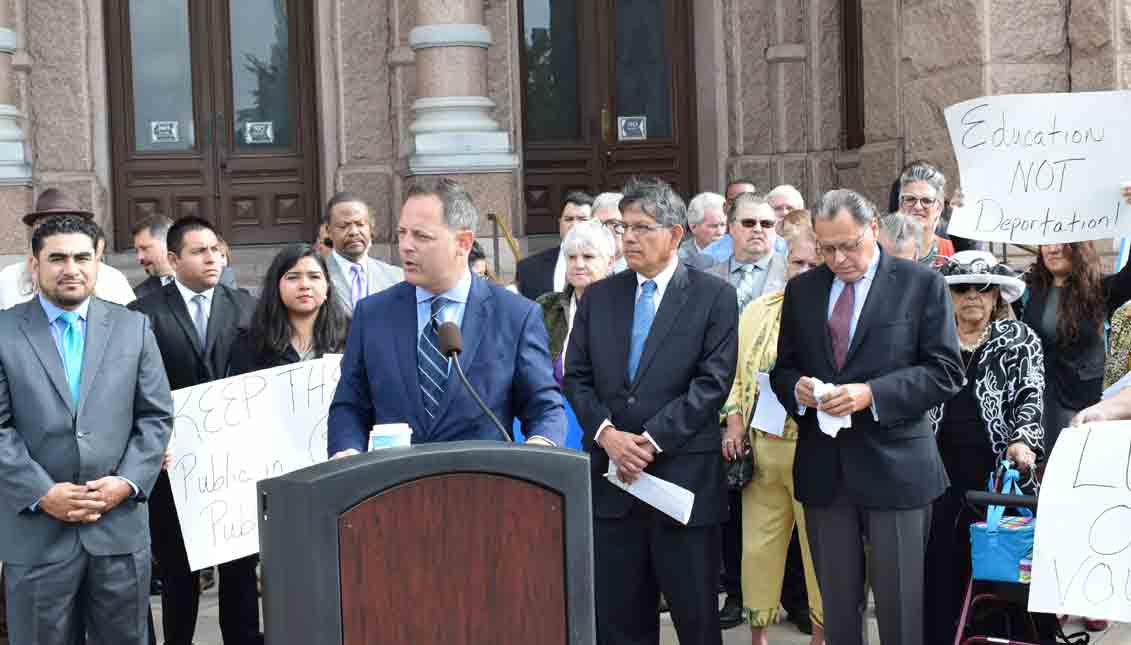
x=607, y=94
x=212, y=114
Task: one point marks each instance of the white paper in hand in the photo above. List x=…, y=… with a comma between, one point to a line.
x=769, y=414
x=829, y=424
x=666, y=497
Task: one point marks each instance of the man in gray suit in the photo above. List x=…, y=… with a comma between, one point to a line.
x=83, y=427
x=355, y=274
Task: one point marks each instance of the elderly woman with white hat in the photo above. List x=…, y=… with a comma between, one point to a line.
x=997, y=414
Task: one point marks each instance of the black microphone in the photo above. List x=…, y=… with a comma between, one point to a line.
x=451, y=344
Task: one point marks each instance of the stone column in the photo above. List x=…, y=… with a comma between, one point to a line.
x=452, y=130
x=14, y=169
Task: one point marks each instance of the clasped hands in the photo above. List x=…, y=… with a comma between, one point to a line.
x=842, y=401
x=85, y=503
x=630, y=453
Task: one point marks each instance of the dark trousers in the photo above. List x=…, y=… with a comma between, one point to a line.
x=732, y=548
x=897, y=541
x=180, y=586
x=794, y=595
x=643, y=554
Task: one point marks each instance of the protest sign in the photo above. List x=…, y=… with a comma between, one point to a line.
x=1042, y=168
x=1082, y=555
x=231, y=433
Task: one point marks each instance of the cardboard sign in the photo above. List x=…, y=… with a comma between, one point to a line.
x=231, y=433
x=1042, y=168
x=1082, y=555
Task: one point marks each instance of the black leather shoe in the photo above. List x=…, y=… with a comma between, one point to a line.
x=802, y=622
x=731, y=614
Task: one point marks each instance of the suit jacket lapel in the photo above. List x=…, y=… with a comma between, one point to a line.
x=99, y=329
x=622, y=320
x=342, y=289
x=221, y=317
x=39, y=337
x=674, y=298
x=180, y=312
x=404, y=341
x=882, y=280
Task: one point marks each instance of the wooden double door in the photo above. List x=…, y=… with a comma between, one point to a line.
x=212, y=114
x=608, y=94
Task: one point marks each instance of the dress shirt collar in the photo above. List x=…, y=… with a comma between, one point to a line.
x=53, y=311
x=762, y=263
x=458, y=293
x=188, y=294
x=662, y=279
x=346, y=264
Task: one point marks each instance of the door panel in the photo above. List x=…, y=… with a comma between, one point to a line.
x=211, y=115
x=634, y=61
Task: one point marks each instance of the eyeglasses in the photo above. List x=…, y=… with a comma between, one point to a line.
x=845, y=248
x=615, y=225
x=909, y=201
x=764, y=223
x=961, y=289
x=641, y=229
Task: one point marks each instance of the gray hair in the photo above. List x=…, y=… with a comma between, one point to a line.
x=607, y=200
x=923, y=171
x=656, y=198
x=862, y=210
x=459, y=210
x=744, y=199
x=900, y=229
x=791, y=194
x=697, y=209
x=590, y=234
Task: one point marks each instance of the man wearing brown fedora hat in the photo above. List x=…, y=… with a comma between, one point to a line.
x=16, y=283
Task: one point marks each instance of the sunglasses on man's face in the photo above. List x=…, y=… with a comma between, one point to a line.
x=764, y=223
x=962, y=289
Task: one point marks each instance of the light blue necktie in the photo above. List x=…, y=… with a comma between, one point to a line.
x=642, y=317
x=72, y=353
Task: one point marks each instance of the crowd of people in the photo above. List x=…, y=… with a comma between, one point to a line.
x=910, y=366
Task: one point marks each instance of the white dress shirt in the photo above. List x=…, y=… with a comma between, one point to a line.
x=189, y=294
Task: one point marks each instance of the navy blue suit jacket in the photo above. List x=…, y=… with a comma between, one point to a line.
x=506, y=356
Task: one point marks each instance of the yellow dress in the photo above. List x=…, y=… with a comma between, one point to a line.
x=769, y=510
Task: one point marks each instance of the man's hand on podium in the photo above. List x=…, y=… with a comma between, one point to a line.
x=348, y=452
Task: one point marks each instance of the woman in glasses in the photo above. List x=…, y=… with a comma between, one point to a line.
x=922, y=195
x=997, y=414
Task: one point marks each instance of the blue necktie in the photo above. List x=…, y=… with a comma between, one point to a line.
x=433, y=366
x=72, y=353
x=642, y=317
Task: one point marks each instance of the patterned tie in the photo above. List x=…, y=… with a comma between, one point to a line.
x=200, y=318
x=840, y=323
x=642, y=317
x=745, y=286
x=72, y=353
x=433, y=366
x=357, y=283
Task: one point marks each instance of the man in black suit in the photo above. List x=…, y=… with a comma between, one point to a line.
x=195, y=320
x=544, y=272
x=153, y=255
x=882, y=330
x=651, y=360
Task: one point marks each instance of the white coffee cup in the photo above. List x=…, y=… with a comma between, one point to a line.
x=390, y=435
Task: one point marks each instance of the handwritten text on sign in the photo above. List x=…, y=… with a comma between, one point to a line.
x=1082, y=557
x=1042, y=168
x=228, y=435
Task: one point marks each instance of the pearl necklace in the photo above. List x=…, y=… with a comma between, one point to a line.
x=976, y=344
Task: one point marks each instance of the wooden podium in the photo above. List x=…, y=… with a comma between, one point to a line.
x=475, y=543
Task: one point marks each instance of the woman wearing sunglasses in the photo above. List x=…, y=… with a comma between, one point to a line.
x=996, y=414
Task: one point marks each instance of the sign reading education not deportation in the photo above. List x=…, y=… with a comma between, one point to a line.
x=1042, y=168
x=231, y=433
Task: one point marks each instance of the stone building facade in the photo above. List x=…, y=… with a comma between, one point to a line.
x=405, y=87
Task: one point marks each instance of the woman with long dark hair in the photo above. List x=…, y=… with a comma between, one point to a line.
x=297, y=317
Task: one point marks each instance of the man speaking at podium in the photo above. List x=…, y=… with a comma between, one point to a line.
x=393, y=371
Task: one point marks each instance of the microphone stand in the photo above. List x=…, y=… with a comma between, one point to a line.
x=475, y=395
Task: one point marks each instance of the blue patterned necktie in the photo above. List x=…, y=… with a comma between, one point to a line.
x=72, y=352
x=745, y=286
x=642, y=317
x=433, y=366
